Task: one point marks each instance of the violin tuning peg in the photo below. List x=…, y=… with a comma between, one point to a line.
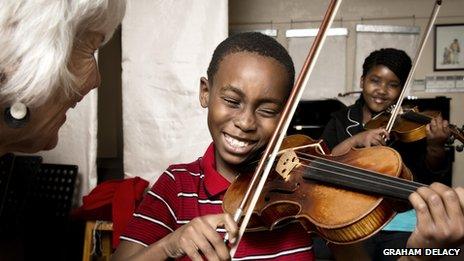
x=451, y=139
x=459, y=148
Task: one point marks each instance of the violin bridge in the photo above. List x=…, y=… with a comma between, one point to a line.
x=287, y=162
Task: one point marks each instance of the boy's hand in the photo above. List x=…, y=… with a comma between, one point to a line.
x=437, y=132
x=440, y=217
x=370, y=138
x=199, y=237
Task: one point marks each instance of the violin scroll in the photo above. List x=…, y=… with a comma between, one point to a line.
x=457, y=133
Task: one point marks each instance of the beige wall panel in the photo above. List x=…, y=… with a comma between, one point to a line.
x=166, y=48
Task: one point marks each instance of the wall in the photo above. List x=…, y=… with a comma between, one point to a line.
x=166, y=48
x=293, y=14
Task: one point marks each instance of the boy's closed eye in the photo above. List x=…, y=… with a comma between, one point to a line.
x=231, y=102
x=268, y=113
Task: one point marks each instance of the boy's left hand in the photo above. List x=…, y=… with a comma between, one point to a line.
x=440, y=217
x=437, y=132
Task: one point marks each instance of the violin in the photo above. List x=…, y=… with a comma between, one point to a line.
x=344, y=198
x=410, y=125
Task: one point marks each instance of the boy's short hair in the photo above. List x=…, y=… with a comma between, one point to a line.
x=252, y=42
x=397, y=61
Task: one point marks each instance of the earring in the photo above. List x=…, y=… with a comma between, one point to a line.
x=17, y=115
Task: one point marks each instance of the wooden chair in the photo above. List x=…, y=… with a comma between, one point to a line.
x=98, y=234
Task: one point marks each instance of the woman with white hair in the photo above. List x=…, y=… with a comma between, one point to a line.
x=47, y=65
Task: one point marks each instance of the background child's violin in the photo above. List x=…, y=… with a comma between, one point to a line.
x=410, y=125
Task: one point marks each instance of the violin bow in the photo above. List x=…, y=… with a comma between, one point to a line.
x=275, y=142
x=397, y=107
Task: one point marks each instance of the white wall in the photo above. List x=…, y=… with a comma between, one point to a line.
x=292, y=14
x=166, y=48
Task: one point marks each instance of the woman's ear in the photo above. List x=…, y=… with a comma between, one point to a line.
x=361, y=82
x=204, y=92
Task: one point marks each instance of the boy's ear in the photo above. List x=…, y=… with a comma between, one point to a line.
x=204, y=92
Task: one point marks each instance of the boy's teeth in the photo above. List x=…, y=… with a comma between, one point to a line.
x=234, y=142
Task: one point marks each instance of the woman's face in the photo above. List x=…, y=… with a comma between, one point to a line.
x=380, y=88
x=41, y=132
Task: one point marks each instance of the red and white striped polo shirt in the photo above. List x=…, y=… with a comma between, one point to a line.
x=186, y=191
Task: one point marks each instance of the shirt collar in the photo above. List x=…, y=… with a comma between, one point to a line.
x=215, y=183
x=354, y=118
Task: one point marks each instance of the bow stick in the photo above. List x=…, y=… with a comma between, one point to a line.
x=397, y=107
x=275, y=142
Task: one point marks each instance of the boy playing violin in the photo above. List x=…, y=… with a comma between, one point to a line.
x=249, y=79
x=384, y=74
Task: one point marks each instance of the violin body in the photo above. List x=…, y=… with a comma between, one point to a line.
x=404, y=130
x=339, y=215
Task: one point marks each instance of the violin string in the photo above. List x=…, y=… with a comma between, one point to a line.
x=357, y=183
x=368, y=174
x=370, y=178
x=373, y=177
x=370, y=185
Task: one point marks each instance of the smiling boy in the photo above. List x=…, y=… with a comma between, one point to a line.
x=249, y=79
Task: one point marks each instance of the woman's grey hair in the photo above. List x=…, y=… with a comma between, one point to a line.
x=36, y=40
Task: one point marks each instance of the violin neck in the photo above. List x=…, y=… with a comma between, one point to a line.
x=417, y=117
x=425, y=119
x=354, y=178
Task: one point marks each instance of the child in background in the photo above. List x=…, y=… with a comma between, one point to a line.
x=384, y=74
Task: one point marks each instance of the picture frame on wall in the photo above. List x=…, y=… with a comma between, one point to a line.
x=448, y=48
